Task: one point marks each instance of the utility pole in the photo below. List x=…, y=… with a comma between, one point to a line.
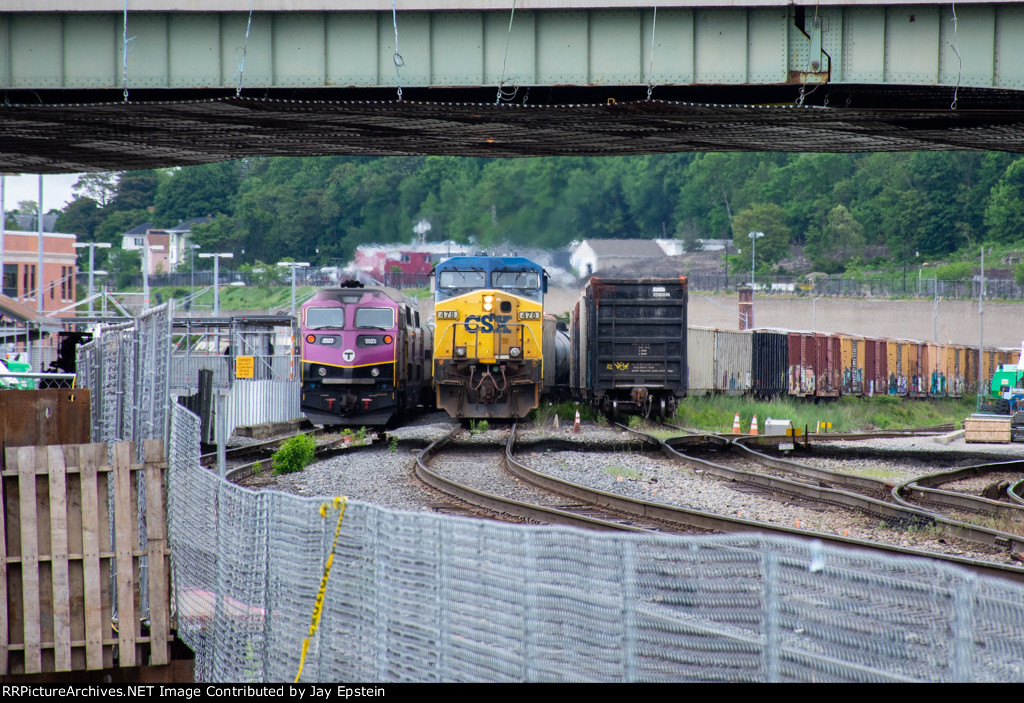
x=216, y=277
x=293, y=265
x=92, y=264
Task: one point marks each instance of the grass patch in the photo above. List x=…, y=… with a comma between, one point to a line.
x=617, y=471
x=847, y=414
x=566, y=412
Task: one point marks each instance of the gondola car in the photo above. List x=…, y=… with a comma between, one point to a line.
x=489, y=336
x=365, y=356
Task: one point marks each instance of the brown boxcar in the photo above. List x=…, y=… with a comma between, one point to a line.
x=801, y=363
x=876, y=374
x=828, y=369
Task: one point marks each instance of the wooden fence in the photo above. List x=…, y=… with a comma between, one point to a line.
x=64, y=557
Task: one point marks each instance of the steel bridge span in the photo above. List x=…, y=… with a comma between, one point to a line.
x=104, y=84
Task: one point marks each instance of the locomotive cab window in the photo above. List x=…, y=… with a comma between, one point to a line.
x=375, y=318
x=325, y=318
x=462, y=279
x=528, y=280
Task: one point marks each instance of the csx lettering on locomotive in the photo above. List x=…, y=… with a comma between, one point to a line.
x=488, y=323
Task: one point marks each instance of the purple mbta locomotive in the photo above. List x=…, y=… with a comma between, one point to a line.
x=365, y=357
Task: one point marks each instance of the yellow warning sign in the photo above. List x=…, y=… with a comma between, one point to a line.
x=245, y=366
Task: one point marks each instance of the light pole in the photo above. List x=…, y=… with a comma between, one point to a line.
x=216, y=277
x=754, y=236
x=192, y=267
x=146, y=248
x=92, y=252
x=293, y=265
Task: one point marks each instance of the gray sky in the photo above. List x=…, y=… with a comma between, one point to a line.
x=56, y=190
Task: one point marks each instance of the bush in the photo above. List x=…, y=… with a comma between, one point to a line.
x=294, y=455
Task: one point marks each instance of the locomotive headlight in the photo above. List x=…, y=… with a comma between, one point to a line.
x=488, y=302
x=310, y=338
x=375, y=372
x=515, y=352
x=460, y=351
x=322, y=371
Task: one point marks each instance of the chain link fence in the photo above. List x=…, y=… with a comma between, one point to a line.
x=127, y=368
x=889, y=286
x=252, y=373
x=426, y=597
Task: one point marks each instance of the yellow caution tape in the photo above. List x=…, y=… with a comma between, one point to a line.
x=318, y=606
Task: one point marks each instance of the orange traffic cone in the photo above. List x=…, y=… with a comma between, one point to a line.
x=576, y=424
x=736, y=425
x=753, y=425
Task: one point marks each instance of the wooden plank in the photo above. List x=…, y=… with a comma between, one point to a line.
x=4, y=605
x=105, y=491
x=156, y=544
x=59, y=560
x=124, y=527
x=76, y=577
x=136, y=474
x=29, y=558
x=90, y=458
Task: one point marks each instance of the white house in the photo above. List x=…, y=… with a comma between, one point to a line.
x=594, y=254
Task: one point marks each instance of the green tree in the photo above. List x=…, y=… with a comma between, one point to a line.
x=123, y=265
x=99, y=186
x=768, y=219
x=197, y=191
x=136, y=190
x=219, y=235
x=1004, y=215
x=831, y=247
x=81, y=216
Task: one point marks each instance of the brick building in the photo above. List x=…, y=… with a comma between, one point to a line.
x=21, y=277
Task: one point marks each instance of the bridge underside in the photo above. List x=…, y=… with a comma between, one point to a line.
x=56, y=134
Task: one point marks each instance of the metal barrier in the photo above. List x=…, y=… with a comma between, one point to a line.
x=402, y=596
x=127, y=368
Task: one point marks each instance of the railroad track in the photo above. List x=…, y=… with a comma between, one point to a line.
x=1010, y=542
x=590, y=510
x=632, y=514
x=923, y=491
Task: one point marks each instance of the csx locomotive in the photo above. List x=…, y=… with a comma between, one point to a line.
x=488, y=336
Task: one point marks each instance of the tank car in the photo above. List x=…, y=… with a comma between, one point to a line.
x=365, y=356
x=488, y=336
x=629, y=342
